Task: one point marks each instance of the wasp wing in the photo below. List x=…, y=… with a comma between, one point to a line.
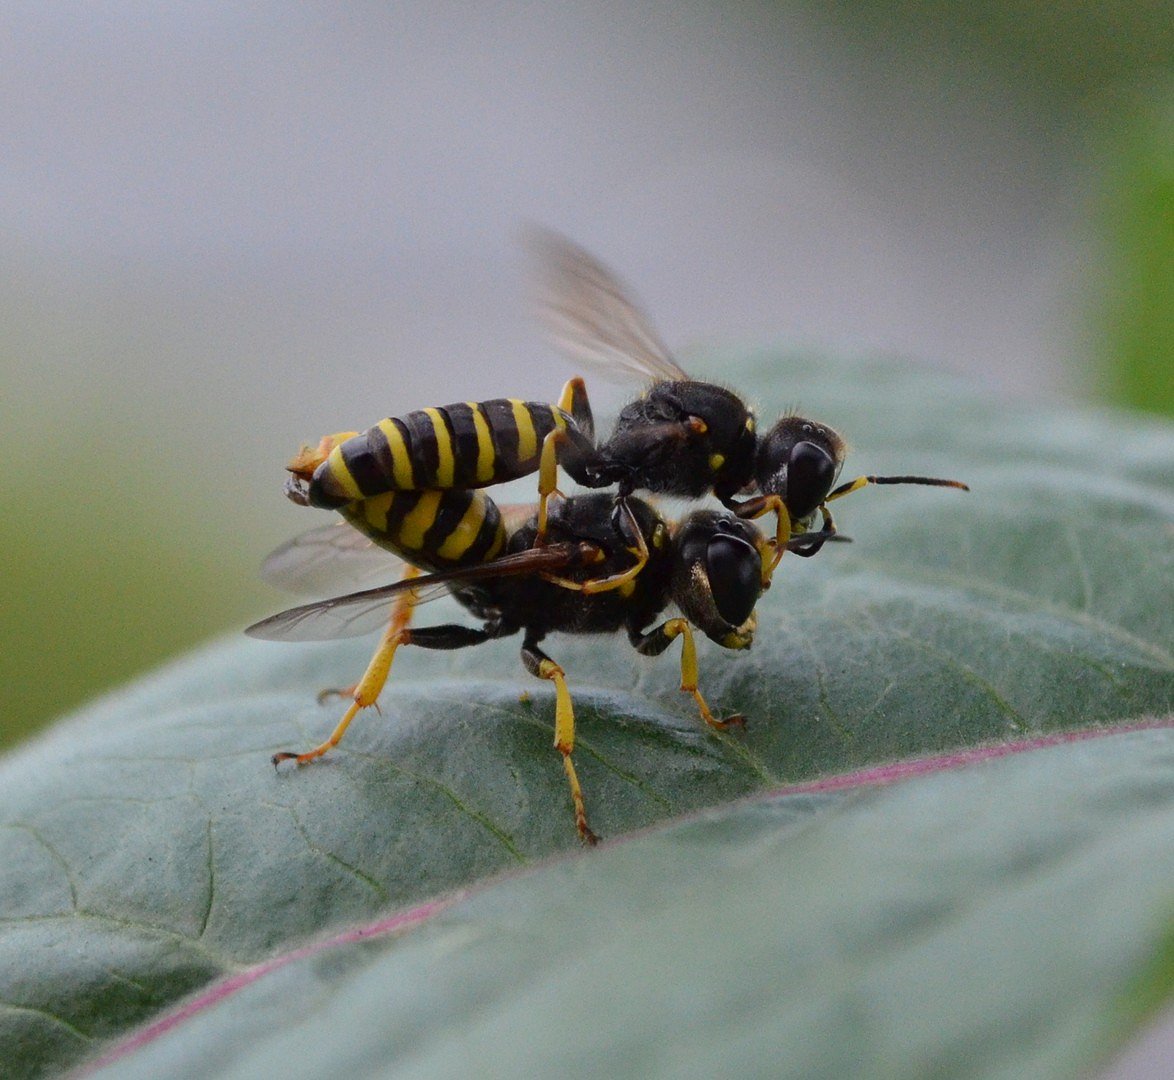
x=341, y=616
x=590, y=316
x=361, y=612
x=330, y=558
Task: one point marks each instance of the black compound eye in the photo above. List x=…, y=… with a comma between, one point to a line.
x=810, y=475
x=734, y=568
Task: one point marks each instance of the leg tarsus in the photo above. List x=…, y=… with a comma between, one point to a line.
x=543, y=667
x=323, y=696
x=657, y=640
x=367, y=690
x=308, y=458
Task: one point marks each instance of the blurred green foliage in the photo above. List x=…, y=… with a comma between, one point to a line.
x=1103, y=69
x=1135, y=308
x=1062, y=51
x=114, y=565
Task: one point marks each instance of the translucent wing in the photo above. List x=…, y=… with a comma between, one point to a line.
x=361, y=612
x=342, y=616
x=330, y=558
x=589, y=315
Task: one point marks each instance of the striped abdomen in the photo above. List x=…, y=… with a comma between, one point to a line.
x=466, y=445
x=434, y=530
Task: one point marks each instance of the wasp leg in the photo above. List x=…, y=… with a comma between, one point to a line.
x=306, y=462
x=656, y=641
x=573, y=400
x=828, y=532
x=308, y=458
x=574, y=448
x=541, y=666
x=451, y=636
x=626, y=526
x=367, y=690
x=756, y=508
x=323, y=696
x=574, y=451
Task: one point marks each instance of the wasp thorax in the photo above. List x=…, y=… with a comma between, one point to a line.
x=684, y=438
x=799, y=460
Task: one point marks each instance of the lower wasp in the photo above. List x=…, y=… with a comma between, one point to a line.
x=709, y=564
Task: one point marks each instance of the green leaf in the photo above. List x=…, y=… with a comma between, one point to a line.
x=1132, y=297
x=149, y=846
x=989, y=922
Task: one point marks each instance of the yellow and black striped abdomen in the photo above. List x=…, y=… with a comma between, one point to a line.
x=465, y=445
x=434, y=530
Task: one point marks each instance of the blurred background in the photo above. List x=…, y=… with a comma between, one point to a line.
x=227, y=229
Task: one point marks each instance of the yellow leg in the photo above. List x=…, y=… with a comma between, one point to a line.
x=547, y=480
x=564, y=741
x=614, y=581
x=574, y=391
x=672, y=629
x=309, y=458
x=782, y=535
x=367, y=690
x=756, y=508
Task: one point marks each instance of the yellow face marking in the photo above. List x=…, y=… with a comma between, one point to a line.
x=627, y=589
x=716, y=461
x=527, y=436
x=341, y=475
x=750, y=424
x=659, y=536
x=457, y=542
x=419, y=519
x=444, y=467
x=484, y=443
x=401, y=463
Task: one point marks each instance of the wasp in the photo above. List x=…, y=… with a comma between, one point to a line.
x=709, y=564
x=681, y=437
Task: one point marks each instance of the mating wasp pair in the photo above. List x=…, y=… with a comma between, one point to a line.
x=586, y=564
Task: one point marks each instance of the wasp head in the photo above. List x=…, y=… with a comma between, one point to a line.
x=717, y=576
x=799, y=460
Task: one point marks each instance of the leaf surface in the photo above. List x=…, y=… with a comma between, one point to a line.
x=150, y=847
